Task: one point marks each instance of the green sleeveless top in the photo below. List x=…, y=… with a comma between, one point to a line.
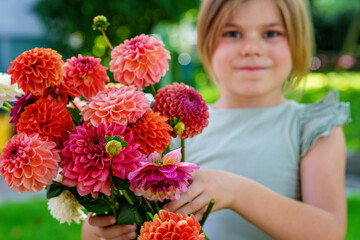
x=263, y=144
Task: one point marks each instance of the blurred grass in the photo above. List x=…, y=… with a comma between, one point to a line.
x=31, y=220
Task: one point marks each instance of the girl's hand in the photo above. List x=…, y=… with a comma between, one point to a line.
x=206, y=184
x=104, y=228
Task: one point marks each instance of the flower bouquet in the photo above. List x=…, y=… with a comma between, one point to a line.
x=102, y=147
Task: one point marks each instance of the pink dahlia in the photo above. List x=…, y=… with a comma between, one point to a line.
x=171, y=226
x=140, y=61
x=185, y=103
x=29, y=163
x=116, y=105
x=151, y=131
x=19, y=106
x=48, y=118
x=86, y=74
x=37, y=69
x=86, y=164
x=160, y=179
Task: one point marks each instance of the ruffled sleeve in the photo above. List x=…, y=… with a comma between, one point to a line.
x=321, y=117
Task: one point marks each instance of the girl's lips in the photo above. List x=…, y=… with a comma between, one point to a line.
x=252, y=68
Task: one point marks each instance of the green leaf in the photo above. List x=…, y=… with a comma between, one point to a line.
x=75, y=113
x=98, y=205
x=117, y=138
x=121, y=184
x=129, y=215
x=108, y=138
x=54, y=190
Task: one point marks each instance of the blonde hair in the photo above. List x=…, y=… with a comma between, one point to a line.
x=215, y=13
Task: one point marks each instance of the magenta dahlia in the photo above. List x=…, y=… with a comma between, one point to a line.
x=185, y=103
x=160, y=179
x=86, y=164
x=29, y=163
x=116, y=105
x=140, y=61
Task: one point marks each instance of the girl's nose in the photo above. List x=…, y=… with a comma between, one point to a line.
x=251, y=46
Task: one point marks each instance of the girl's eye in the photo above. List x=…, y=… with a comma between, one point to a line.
x=232, y=34
x=271, y=34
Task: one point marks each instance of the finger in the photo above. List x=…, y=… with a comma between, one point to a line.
x=194, y=206
x=192, y=192
x=128, y=236
x=115, y=231
x=101, y=221
x=200, y=214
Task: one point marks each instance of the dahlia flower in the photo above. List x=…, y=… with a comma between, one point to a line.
x=86, y=74
x=171, y=226
x=140, y=61
x=66, y=208
x=62, y=92
x=19, y=106
x=159, y=179
x=49, y=118
x=151, y=132
x=86, y=164
x=185, y=103
x=37, y=69
x=29, y=163
x=117, y=105
x=8, y=92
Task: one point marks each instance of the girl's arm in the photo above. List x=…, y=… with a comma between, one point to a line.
x=321, y=214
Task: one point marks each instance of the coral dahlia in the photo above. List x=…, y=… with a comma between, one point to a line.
x=160, y=179
x=185, y=103
x=151, y=131
x=86, y=74
x=37, y=69
x=86, y=164
x=116, y=105
x=140, y=61
x=49, y=118
x=29, y=163
x=171, y=226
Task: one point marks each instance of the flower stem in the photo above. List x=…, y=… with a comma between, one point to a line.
x=8, y=105
x=208, y=210
x=106, y=39
x=182, y=150
x=113, y=200
x=148, y=205
x=127, y=197
x=6, y=109
x=153, y=89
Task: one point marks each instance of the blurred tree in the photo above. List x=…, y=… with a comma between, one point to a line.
x=68, y=22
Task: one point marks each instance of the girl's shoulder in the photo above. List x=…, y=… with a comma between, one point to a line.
x=319, y=118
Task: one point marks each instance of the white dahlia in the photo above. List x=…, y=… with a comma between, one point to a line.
x=8, y=91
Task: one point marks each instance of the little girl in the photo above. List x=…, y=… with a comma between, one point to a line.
x=276, y=168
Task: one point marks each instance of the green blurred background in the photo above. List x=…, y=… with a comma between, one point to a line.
x=66, y=27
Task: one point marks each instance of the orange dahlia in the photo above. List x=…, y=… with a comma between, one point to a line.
x=116, y=105
x=171, y=226
x=29, y=163
x=86, y=74
x=151, y=132
x=186, y=104
x=37, y=69
x=140, y=61
x=48, y=118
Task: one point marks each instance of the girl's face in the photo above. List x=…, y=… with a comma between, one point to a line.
x=252, y=58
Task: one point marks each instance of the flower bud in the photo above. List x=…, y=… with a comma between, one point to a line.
x=179, y=128
x=100, y=23
x=113, y=147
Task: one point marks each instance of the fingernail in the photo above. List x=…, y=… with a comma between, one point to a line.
x=132, y=235
x=112, y=220
x=133, y=227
